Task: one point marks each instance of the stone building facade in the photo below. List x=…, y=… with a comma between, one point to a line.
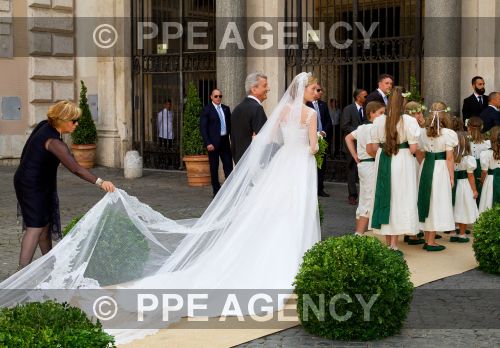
x=42, y=61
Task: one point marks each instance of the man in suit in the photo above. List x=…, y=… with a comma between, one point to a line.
x=491, y=115
x=353, y=116
x=325, y=127
x=381, y=94
x=165, y=124
x=215, y=128
x=475, y=103
x=249, y=116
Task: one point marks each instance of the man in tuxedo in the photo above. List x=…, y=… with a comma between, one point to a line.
x=353, y=116
x=215, y=128
x=381, y=94
x=491, y=115
x=475, y=103
x=326, y=128
x=249, y=116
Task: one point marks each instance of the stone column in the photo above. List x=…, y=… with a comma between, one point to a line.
x=114, y=90
x=442, y=48
x=231, y=64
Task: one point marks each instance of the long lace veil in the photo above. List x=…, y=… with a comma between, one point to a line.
x=123, y=243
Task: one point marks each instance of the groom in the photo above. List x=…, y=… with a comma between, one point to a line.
x=248, y=117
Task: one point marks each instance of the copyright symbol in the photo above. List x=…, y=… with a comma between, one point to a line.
x=105, y=308
x=105, y=36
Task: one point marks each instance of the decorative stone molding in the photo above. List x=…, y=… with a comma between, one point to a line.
x=51, y=64
x=6, y=35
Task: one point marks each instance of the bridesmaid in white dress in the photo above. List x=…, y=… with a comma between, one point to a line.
x=477, y=146
x=435, y=207
x=465, y=192
x=490, y=164
x=394, y=210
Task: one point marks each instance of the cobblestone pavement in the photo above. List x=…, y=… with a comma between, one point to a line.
x=168, y=193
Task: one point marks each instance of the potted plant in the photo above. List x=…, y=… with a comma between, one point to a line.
x=85, y=135
x=195, y=157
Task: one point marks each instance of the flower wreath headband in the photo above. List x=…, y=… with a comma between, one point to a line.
x=435, y=114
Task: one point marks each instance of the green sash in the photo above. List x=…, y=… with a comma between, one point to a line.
x=496, y=184
x=425, y=186
x=477, y=175
x=367, y=160
x=459, y=174
x=382, y=202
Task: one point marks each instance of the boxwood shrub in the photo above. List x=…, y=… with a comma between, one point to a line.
x=487, y=240
x=49, y=325
x=351, y=267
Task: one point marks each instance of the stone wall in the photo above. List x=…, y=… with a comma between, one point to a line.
x=51, y=49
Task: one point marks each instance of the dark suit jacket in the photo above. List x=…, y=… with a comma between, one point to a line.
x=472, y=107
x=247, y=118
x=491, y=118
x=350, y=120
x=210, y=124
x=326, y=121
x=374, y=96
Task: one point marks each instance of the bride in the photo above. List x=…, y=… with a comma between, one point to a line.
x=252, y=236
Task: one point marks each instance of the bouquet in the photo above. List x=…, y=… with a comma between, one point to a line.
x=322, y=147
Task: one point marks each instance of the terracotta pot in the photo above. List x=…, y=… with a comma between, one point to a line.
x=198, y=170
x=84, y=154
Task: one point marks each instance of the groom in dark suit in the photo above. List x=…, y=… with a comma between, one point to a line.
x=325, y=126
x=215, y=128
x=385, y=84
x=249, y=116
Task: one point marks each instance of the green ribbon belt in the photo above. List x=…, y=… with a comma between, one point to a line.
x=496, y=184
x=477, y=175
x=425, y=186
x=382, y=202
x=459, y=174
x=367, y=160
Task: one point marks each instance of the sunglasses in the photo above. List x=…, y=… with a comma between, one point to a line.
x=319, y=90
x=74, y=121
x=218, y=96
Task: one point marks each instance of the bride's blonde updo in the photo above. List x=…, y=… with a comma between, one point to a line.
x=294, y=86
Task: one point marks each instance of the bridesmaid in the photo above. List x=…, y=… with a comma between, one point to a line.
x=435, y=208
x=490, y=164
x=394, y=140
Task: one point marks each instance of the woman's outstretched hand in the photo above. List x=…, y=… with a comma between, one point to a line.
x=108, y=186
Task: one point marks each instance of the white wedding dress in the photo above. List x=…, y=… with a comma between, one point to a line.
x=252, y=236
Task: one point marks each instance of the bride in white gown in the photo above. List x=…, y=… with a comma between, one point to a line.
x=252, y=236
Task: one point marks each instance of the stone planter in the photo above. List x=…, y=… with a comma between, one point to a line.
x=198, y=170
x=84, y=154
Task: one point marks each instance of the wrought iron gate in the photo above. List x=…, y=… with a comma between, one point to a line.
x=395, y=46
x=162, y=71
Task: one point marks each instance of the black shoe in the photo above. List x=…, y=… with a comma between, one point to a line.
x=323, y=194
x=438, y=236
x=416, y=241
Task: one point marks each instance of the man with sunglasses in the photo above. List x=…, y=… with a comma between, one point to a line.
x=325, y=127
x=215, y=128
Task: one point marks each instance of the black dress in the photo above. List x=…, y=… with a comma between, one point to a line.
x=35, y=180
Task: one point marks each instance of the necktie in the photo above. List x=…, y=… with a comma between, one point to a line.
x=320, y=125
x=480, y=98
x=361, y=118
x=222, y=120
x=385, y=99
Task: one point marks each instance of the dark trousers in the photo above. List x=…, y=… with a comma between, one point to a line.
x=223, y=151
x=166, y=142
x=352, y=176
x=336, y=141
x=321, y=175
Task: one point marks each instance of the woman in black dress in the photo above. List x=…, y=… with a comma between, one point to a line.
x=35, y=180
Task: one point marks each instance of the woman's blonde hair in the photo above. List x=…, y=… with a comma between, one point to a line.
x=495, y=142
x=438, y=118
x=394, y=111
x=63, y=111
x=463, y=147
x=474, y=127
x=295, y=85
